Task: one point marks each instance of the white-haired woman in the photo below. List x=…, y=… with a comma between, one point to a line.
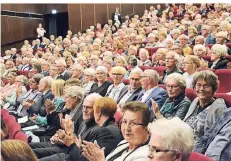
x=120, y=61
x=165, y=133
x=217, y=57
x=114, y=89
x=88, y=79
x=144, y=58
x=221, y=39
x=177, y=104
x=102, y=85
x=191, y=65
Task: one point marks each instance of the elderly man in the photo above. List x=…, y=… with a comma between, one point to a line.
x=206, y=32
x=45, y=66
x=39, y=108
x=149, y=83
x=183, y=39
x=131, y=91
x=63, y=73
x=172, y=60
x=73, y=99
x=25, y=64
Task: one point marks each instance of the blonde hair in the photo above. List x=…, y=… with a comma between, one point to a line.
x=118, y=69
x=144, y=51
x=58, y=87
x=16, y=150
x=199, y=46
x=221, y=34
x=194, y=60
x=175, y=135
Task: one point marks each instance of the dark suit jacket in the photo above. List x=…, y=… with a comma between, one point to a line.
x=166, y=73
x=113, y=19
x=158, y=94
x=133, y=97
x=210, y=39
x=102, y=90
x=39, y=107
x=64, y=76
x=108, y=136
x=221, y=64
x=45, y=73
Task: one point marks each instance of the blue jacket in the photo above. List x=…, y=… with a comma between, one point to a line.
x=210, y=39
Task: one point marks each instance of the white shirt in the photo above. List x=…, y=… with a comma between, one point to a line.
x=41, y=32
x=114, y=92
x=188, y=79
x=146, y=94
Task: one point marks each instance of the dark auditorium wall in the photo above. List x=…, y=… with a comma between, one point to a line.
x=82, y=16
x=15, y=29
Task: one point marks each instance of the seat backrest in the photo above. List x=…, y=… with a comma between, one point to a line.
x=207, y=57
x=144, y=67
x=162, y=86
x=198, y=157
x=228, y=57
x=209, y=45
x=190, y=94
x=224, y=77
x=126, y=81
x=159, y=69
x=23, y=72
x=226, y=97
x=118, y=116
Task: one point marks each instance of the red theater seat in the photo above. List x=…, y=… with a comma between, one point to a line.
x=190, y=94
x=126, y=81
x=160, y=69
x=228, y=57
x=224, y=77
x=118, y=116
x=209, y=45
x=207, y=57
x=153, y=50
x=198, y=157
x=23, y=72
x=144, y=67
x=162, y=86
x=226, y=97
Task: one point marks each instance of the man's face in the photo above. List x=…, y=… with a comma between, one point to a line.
x=42, y=85
x=135, y=80
x=170, y=61
x=204, y=32
x=8, y=65
x=88, y=111
x=145, y=80
x=199, y=41
x=220, y=40
x=61, y=68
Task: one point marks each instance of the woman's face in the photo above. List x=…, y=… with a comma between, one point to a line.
x=203, y=90
x=143, y=57
x=188, y=65
x=18, y=82
x=119, y=63
x=86, y=78
x=33, y=84
x=101, y=76
x=214, y=57
x=11, y=79
x=173, y=88
x=200, y=53
x=117, y=77
x=132, y=129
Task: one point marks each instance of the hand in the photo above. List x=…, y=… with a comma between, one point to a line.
x=155, y=107
x=69, y=125
x=68, y=140
x=33, y=118
x=92, y=151
x=19, y=91
x=26, y=105
x=49, y=106
x=229, y=65
x=78, y=141
x=62, y=121
x=54, y=139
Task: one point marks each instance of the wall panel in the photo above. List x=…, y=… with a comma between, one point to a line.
x=111, y=9
x=74, y=17
x=139, y=9
x=101, y=13
x=87, y=15
x=126, y=9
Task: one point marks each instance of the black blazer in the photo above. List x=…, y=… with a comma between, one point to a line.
x=113, y=19
x=133, y=97
x=102, y=90
x=221, y=64
x=39, y=107
x=65, y=77
x=107, y=136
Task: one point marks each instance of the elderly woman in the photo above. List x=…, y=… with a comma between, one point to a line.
x=162, y=39
x=114, y=90
x=20, y=89
x=108, y=62
x=205, y=109
x=88, y=79
x=32, y=96
x=192, y=33
x=82, y=61
x=160, y=57
x=191, y=64
x=77, y=71
x=69, y=61
x=120, y=61
x=102, y=85
x=144, y=58
x=169, y=44
x=136, y=136
x=217, y=57
x=221, y=39
x=165, y=133
x=10, y=87
x=177, y=104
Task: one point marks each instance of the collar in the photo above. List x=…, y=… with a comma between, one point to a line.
x=107, y=122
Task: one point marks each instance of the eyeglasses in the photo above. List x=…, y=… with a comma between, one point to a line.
x=135, y=79
x=116, y=74
x=205, y=86
x=173, y=87
x=152, y=151
x=130, y=124
x=87, y=107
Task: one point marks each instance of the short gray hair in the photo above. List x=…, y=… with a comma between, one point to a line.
x=179, y=78
x=152, y=74
x=89, y=71
x=219, y=49
x=75, y=91
x=48, y=80
x=93, y=96
x=102, y=68
x=175, y=135
x=199, y=46
x=176, y=56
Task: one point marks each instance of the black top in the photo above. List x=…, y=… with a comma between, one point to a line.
x=102, y=90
